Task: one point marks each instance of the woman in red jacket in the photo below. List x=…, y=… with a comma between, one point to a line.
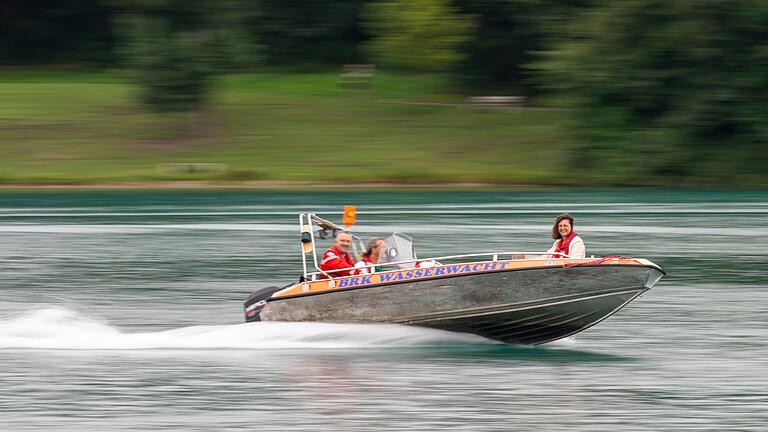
x=367, y=264
x=566, y=240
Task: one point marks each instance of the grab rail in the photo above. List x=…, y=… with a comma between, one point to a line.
x=494, y=255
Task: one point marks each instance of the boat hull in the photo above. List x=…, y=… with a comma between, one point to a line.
x=521, y=306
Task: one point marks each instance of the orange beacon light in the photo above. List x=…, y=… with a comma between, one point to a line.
x=350, y=213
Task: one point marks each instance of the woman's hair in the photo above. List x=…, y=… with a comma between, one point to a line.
x=371, y=245
x=555, y=232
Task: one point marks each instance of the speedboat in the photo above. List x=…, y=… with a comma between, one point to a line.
x=514, y=297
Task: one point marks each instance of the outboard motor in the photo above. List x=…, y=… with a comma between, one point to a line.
x=257, y=301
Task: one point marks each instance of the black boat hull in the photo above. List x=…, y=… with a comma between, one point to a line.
x=521, y=306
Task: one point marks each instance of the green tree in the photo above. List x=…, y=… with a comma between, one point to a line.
x=174, y=47
x=667, y=90
x=417, y=35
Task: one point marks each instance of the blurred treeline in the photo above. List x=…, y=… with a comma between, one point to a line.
x=673, y=89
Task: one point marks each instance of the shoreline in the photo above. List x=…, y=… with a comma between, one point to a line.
x=262, y=185
x=316, y=186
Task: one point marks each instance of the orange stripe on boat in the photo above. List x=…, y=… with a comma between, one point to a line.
x=419, y=274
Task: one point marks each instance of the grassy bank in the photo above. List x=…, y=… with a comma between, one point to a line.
x=78, y=128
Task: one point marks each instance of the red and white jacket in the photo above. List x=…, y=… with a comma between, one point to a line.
x=334, y=259
x=366, y=266
x=572, y=246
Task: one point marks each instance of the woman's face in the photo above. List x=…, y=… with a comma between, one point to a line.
x=380, y=246
x=564, y=228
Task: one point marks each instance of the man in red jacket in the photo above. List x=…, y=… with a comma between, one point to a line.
x=336, y=257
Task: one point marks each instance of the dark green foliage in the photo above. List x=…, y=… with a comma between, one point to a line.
x=173, y=47
x=501, y=44
x=51, y=31
x=672, y=89
x=509, y=35
x=310, y=32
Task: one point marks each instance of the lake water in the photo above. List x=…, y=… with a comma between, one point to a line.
x=123, y=311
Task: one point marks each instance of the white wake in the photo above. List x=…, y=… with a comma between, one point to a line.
x=65, y=329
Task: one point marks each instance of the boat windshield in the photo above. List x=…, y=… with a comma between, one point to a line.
x=398, y=247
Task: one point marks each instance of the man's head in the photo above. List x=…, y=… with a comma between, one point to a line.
x=343, y=241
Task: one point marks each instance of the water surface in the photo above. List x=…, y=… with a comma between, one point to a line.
x=122, y=311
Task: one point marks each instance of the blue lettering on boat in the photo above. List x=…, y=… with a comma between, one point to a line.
x=343, y=283
x=420, y=273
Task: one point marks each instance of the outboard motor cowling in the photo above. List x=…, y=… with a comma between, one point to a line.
x=257, y=301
